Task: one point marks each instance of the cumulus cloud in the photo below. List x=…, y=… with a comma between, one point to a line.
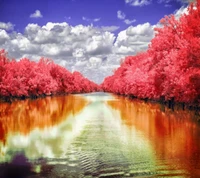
x=134, y=39
x=69, y=46
x=6, y=26
x=3, y=37
x=88, y=49
x=95, y=62
x=142, y=29
x=121, y=15
x=100, y=44
x=78, y=53
x=138, y=2
x=36, y=14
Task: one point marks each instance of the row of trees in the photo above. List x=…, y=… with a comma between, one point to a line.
x=27, y=78
x=170, y=68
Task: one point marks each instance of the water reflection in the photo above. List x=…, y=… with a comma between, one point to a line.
x=97, y=135
x=24, y=123
x=173, y=135
x=18, y=168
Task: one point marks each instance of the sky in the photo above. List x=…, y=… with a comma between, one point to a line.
x=89, y=36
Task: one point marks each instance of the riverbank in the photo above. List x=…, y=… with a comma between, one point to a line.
x=33, y=97
x=170, y=104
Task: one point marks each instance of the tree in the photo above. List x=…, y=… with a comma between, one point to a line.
x=170, y=68
x=27, y=78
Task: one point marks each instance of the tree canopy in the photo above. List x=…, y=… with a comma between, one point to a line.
x=27, y=78
x=170, y=68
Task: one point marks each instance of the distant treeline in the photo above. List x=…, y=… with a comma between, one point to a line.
x=27, y=78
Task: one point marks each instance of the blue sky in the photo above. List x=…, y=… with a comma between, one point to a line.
x=91, y=36
x=73, y=12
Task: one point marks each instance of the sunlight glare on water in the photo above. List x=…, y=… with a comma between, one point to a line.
x=97, y=135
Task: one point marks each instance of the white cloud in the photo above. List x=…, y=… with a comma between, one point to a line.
x=36, y=14
x=166, y=2
x=138, y=2
x=50, y=49
x=87, y=49
x=100, y=44
x=78, y=53
x=49, y=33
x=110, y=28
x=3, y=37
x=97, y=19
x=121, y=15
x=145, y=29
x=6, y=26
x=181, y=11
x=134, y=39
x=91, y=20
x=84, y=18
x=128, y=22
x=95, y=62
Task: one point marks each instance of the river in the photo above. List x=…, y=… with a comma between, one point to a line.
x=97, y=135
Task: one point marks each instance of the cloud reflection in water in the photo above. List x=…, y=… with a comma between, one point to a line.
x=99, y=134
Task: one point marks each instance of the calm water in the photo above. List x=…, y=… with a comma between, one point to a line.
x=97, y=135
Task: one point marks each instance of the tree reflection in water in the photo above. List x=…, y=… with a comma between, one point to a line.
x=173, y=134
x=24, y=117
x=97, y=135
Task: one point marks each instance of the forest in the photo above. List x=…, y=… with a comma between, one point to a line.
x=170, y=68
x=26, y=78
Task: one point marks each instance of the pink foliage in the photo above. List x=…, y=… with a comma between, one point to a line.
x=170, y=68
x=30, y=79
